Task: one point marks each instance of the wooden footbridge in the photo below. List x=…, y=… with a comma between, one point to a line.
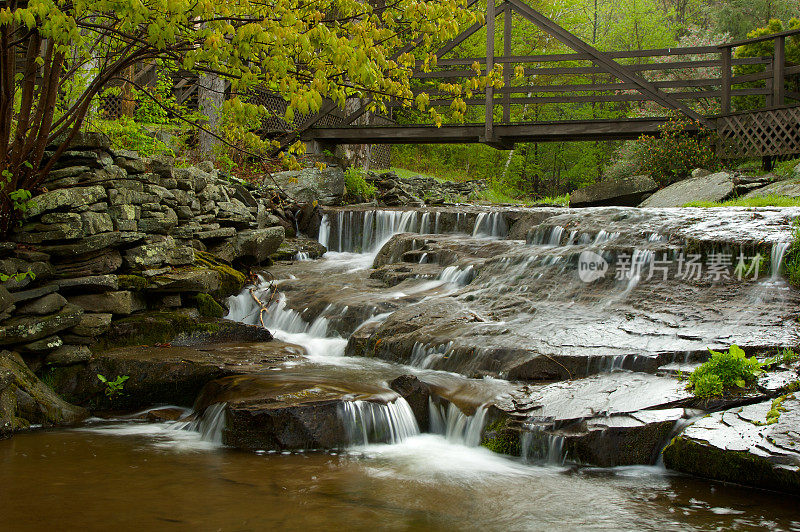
x=697, y=82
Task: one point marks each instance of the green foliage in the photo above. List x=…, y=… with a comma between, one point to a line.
x=156, y=107
x=17, y=276
x=113, y=387
x=792, y=259
x=356, y=185
x=127, y=134
x=675, y=153
x=724, y=370
x=777, y=409
x=763, y=201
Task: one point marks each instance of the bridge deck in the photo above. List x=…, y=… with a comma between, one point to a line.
x=508, y=134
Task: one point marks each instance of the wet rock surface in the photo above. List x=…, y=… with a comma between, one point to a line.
x=626, y=192
x=741, y=446
x=166, y=374
x=713, y=187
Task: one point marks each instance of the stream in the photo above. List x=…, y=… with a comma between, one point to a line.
x=489, y=309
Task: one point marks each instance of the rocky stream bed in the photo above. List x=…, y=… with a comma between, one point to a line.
x=455, y=366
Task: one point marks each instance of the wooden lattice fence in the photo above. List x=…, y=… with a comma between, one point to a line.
x=760, y=133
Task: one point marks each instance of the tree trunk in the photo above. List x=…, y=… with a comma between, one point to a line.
x=210, y=96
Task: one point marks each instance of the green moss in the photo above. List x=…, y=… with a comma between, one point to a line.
x=208, y=306
x=501, y=439
x=155, y=327
x=741, y=467
x=136, y=283
x=231, y=280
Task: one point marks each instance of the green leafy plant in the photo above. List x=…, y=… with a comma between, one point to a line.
x=17, y=276
x=113, y=387
x=723, y=371
x=682, y=146
x=127, y=134
x=356, y=185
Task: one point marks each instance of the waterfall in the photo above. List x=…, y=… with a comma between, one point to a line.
x=368, y=231
x=457, y=276
x=423, y=356
x=490, y=224
x=537, y=444
x=456, y=426
x=368, y=422
x=209, y=425
x=547, y=236
x=779, y=250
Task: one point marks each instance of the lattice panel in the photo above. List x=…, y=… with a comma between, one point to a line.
x=760, y=133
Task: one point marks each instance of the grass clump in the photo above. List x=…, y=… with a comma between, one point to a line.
x=763, y=201
x=725, y=370
x=791, y=262
x=356, y=186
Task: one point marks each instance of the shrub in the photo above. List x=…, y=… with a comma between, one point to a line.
x=682, y=146
x=356, y=185
x=724, y=370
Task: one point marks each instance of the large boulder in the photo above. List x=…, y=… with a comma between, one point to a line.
x=713, y=187
x=164, y=374
x=252, y=246
x=788, y=187
x=626, y=192
x=279, y=411
x=746, y=445
x=312, y=184
x=26, y=401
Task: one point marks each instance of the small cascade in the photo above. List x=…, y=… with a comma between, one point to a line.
x=210, y=425
x=604, y=236
x=538, y=445
x=368, y=422
x=490, y=224
x=366, y=231
x=423, y=356
x=302, y=256
x=457, y=276
x=640, y=260
x=547, y=236
x=779, y=250
x=456, y=426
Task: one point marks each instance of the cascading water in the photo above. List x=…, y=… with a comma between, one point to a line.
x=777, y=254
x=457, y=276
x=210, y=425
x=367, y=231
x=456, y=426
x=369, y=422
x=538, y=445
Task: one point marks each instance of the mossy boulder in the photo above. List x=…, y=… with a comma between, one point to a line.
x=746, y=445
x=184, y=326
x=208, y=306
x=26, y=401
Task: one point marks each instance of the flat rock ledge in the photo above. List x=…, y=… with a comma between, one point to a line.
x=740, y=446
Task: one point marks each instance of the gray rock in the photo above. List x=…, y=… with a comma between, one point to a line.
x=27, y=329
x=6, y=299
x=67, y=355
x=252, y=246
x=33, y=293
x=627, y=192
x=130, y=165
x=738, y=445
x=85, y=245
x=311, y=184
x=714, y=187
x=25, y=400
x=161, y=165
x=53, y=226
x=96, y=222
x=122, y=302
x=101, y=262
x=93, y=324
x=65, y=199
x=43, y=306
x=150, y=255
x=700, y=172
x=43, y=345
x=91, y=283
x=788, y=187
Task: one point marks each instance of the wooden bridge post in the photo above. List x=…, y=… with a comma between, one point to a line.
x=726, y=80
x=778, y=71
x=489, y=126
x=507, y=66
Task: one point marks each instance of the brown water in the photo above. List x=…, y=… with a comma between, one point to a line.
x=146, y=477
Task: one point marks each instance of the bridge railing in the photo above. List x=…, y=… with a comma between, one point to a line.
x=701, y=76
